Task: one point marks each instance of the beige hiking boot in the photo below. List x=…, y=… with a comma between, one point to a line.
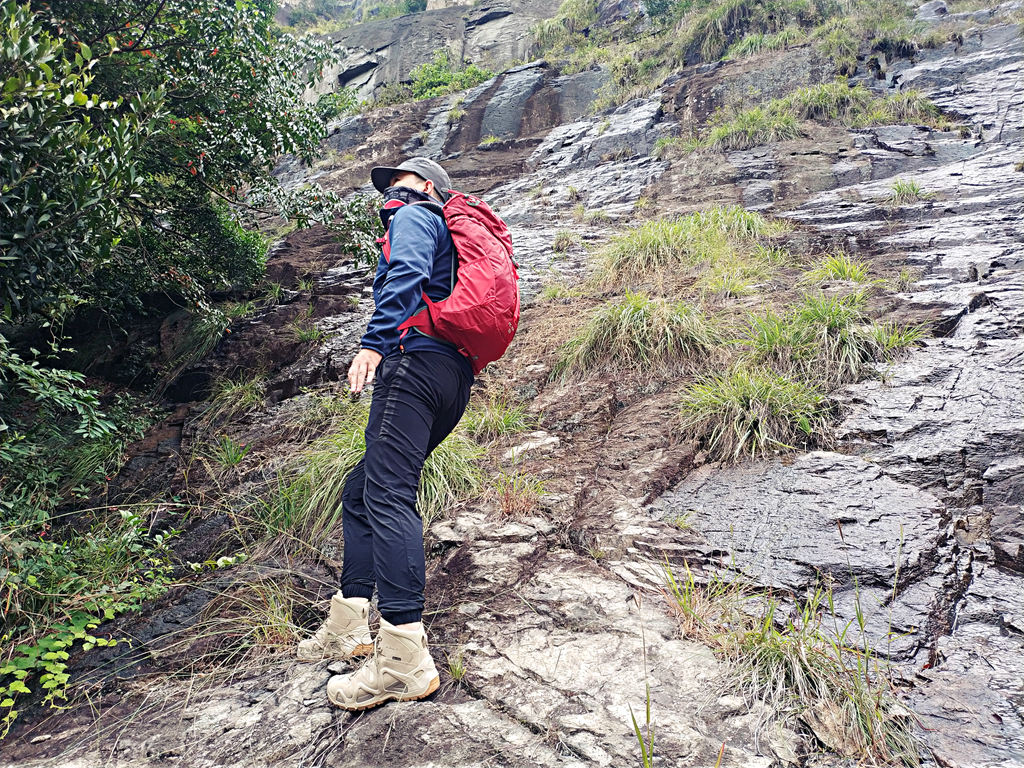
x=400, y=669
x=343, y=635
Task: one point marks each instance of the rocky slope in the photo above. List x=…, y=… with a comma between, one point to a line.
x=558, y=615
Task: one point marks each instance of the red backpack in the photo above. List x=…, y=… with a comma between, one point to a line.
x=481, y=315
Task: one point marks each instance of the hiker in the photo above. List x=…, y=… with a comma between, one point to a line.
x=421, y=389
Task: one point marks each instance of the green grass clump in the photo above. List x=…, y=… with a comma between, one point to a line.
x=757, y=42
x=752, y=128
x=892, y=340
x=752, y=411
x=495, y=418
x=837, y=335
x=307, y=499
x=564, y=240
x=903, y=192
x=232, y=398
x=638, y=331
x=663, y=244
x=839, y=266
x=832, y=103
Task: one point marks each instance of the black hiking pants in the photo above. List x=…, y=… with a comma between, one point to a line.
x=418, y=398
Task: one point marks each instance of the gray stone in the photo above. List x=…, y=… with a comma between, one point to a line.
x=932, y=10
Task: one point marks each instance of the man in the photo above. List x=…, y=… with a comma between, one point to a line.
x=421, y=391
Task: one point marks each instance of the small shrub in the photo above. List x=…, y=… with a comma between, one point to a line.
x=439, y=76
x=752, y=411
x=455, y=114
x=638, y=331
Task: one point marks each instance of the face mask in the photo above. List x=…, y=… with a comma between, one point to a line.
x=404, y=196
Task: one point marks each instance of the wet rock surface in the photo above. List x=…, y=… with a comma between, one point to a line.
x=928, y=511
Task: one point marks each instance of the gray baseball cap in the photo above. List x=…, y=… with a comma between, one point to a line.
x=423, y=167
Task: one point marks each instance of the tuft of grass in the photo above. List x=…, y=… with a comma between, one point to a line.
x=758, y=42
x=455, y=114
x=227, y=452
x=487, y=141
x=308, y=333
x=903, y=192
x=752, y=411
x=752, y=128
x=805, y=663
x=662, y=244
x=892, y=340
x=518, y=494
x=232, y=398
x=836, y=333
x=457, y=666
x=564, y=240
x=729, y=284
x=638, y=331
x=839, y=266
x=495, y=418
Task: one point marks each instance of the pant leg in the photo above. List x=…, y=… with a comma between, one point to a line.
x=357, y=578
x=426, y=396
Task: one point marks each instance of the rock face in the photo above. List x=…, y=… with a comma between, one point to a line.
x=490, y=34
x=931, y=524
x=550, y=628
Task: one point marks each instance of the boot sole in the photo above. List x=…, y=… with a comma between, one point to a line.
x=360, y=650
x=431, y=687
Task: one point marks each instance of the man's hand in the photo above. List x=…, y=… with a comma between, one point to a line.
x=360, y=373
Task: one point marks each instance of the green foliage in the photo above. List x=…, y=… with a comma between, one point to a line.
x=439, y=76
x=143, y=129
x=801, y=663
x=904, y=192
x=834, y=102
x=640, y=332
x=357, y=228
x=57, y=589
x=839, y=266
x=495, y=418
x=703, y=237
x=752, y=411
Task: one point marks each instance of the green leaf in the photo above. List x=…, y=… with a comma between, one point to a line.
x=86, y=50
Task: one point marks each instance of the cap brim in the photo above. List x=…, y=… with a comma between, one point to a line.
x=380, y=176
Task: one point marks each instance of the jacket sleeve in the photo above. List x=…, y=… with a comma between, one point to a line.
x=415, y=238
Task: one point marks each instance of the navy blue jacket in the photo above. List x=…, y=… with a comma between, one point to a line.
x=422, y=261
